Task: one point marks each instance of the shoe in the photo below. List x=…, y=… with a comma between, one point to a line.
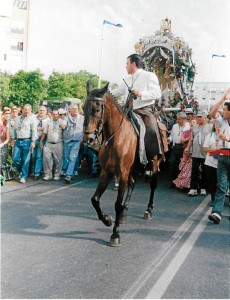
x=215, y=218
x=192, y=192
x=94, y=174
x=116, y=186
x=57, y=178
x=36, y=177
x=67, y=179
x=22, y=180
x=203, y=192
x=75, y=173
x=20, y=175
x=46, y=178
x=172, y=186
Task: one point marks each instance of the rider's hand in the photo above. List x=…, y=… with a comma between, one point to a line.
x=136, y=94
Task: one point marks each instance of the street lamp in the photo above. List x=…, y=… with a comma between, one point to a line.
x=210, y=84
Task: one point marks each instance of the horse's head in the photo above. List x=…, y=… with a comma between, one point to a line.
x=93, y=111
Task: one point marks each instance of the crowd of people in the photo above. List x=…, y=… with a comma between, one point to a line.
x=200, y=155
x=43, y=144
x=52, y=143
x=52, y=146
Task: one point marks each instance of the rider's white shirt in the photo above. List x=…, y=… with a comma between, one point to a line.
x=145, y=82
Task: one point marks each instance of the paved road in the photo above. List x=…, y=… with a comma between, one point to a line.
x=53, y=245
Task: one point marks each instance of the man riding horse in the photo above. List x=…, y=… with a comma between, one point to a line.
x=145, y=89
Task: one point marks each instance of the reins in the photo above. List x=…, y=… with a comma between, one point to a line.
x=97, y=132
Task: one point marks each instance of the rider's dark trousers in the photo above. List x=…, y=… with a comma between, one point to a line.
x=152, y=136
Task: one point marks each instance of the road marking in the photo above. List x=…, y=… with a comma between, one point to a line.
x=165, y=279
x=139, y=284
x=62, y=188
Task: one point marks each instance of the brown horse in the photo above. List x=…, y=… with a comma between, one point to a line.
x=118, y=154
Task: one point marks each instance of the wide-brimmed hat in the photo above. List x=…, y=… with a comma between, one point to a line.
x=61, y=111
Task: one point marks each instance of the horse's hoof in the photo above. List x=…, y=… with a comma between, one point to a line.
x=147, y=215
x=107, y=220
x=115, y=242
x=122, y=220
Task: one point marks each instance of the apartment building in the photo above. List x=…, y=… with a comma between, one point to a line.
x=13, y=35
x=203, y=95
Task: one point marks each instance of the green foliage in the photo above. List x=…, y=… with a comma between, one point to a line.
x=71, y=84
x=4, y=89
x=28, y=87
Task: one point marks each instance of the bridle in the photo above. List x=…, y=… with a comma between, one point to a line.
x=98, y=131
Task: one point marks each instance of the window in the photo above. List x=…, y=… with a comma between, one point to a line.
x=17, y=46
x=20, y=4
x=17, y=27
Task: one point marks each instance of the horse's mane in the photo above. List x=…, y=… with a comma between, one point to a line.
x=115, y=101
x=99, y=93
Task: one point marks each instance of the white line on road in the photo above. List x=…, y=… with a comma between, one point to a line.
x=62, y=188
x=163, y=282
x=139, y=284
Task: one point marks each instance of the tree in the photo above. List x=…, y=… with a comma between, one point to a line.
x=4, y=89
x=59, y=85
x=71, y=85
x=28, y=87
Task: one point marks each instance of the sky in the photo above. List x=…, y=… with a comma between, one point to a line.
x=66, y=35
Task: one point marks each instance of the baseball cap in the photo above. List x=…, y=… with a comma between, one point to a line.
x=61, y=111
x=201, y=113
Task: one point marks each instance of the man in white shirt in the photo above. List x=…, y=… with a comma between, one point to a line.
x=223, y=167
x=41, y=120
x=53, y=148
x=24, y=135
x=145, y=87
x=198, y=175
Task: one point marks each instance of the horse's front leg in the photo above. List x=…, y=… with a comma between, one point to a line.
x=131, y=185
x=115, y=237
x=102, y=185
x=153, y=186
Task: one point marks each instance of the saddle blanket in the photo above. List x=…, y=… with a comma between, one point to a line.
x=142, y=151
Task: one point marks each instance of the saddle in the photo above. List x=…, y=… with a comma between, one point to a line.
x=135, y=121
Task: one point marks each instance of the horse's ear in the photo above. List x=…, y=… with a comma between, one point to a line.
x=89, y=87
x=105, y=88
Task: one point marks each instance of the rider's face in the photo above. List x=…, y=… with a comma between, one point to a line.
x=130, y=67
